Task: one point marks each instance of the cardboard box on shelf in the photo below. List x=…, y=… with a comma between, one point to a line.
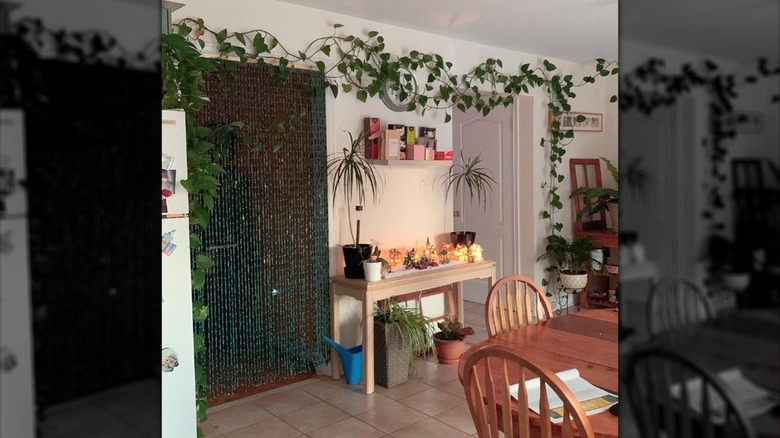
x=415, y=152
x=410, y=137
x=391, y=144
x=443, y=155
x=371, y=128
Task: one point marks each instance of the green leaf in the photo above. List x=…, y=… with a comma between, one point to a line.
x=208, y=201
x=279, y=127
x=221, y=36
x=201, y=404
x=194, y=240
x=198, y=279
x=362, y=95
x=200, y=376
x=613, y=99
x=321, y=66
x=337, y=25
x=199, y=342
x=203, y=262
x=549, y=66
x=325, y=49
x=447, y=117
x=546, y=215
x=240, y=38
x=373, y=33
x=199, y=311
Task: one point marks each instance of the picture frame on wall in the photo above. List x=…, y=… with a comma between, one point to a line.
x=594, y=122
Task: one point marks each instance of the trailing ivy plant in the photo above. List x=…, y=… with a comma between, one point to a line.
x=349, y=64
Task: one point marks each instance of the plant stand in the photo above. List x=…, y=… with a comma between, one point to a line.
x=391, y=355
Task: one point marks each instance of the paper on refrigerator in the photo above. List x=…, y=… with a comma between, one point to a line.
x=592, y=399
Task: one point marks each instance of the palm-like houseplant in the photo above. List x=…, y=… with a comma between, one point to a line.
x=469, y=176
x=355, y=177
x=570, y=258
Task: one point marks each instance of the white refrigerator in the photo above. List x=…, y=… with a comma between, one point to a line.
x=17, y=401
x=178, y=357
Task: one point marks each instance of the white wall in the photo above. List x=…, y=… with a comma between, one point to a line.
x=405, y=215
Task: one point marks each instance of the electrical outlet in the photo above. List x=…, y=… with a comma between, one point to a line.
x=423, y=184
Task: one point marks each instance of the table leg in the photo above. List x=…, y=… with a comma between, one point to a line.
x=335, y=333
x=368, y=344
x=457, y=290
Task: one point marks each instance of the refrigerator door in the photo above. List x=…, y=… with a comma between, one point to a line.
x=174, y=162
x=17, y=418
x=178, y=355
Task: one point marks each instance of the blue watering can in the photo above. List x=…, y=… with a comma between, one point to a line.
x=351, y=361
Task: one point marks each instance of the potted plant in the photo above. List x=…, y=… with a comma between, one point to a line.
x=355, y=177
x=450, y=341
x=728, y=264
x=597, y=199
x=570, y=258
x=375, y=264
x=400, y=334
x=471, y=176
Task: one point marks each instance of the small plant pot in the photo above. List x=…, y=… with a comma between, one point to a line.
x=353, y=259
x=448, y=351
x=574, y=281
x=372, y=271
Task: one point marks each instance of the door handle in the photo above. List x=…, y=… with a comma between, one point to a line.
x=456, y=213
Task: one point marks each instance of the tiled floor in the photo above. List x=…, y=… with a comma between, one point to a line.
x=429, y=405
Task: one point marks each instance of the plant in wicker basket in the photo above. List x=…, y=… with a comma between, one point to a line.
x=400, y=334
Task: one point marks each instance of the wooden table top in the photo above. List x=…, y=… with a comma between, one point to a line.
x=587, y=341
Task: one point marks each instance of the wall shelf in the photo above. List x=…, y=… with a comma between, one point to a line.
x=411, y=163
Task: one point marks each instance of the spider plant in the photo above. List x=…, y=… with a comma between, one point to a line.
x=472, y=176
x=355, y=177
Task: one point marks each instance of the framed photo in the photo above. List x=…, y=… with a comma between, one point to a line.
x=751, y=122
x=594, y=122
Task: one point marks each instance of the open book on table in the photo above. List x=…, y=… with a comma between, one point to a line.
x=751, y=399
x=592, y=399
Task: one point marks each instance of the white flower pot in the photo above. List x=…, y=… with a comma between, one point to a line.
x=574, y=281
x=373, y=271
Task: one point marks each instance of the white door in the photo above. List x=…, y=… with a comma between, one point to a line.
x=17, y=413
x=493, y=137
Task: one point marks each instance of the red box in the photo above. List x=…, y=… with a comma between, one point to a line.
x=443, y=155
x=371, y=131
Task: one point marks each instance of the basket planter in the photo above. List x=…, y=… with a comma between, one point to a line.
x=574, y=281
x=448, y=351
x=391, y=355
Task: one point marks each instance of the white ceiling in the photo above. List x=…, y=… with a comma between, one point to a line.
x=582, y=30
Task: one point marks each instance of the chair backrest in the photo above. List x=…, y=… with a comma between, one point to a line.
x=513, y=302
x=487, y=375
x=675, y=304
x=672, y=396
x=586, y=172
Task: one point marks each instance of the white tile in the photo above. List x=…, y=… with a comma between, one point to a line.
x=432, y=402
x=391, y=417
x=314, y=417
x=349, y=428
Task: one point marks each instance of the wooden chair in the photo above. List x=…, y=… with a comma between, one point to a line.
x=664, y=407
x=675, y=304
x=513, y=302
x=586, y=172
x=486, y=380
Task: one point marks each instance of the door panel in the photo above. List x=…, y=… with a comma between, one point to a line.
x=493, y=138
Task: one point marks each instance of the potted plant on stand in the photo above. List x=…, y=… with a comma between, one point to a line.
x=478, y=180
x=597, y=199
x=570, y=258
x=400, y=334
x=450, y=341
x=354, y=176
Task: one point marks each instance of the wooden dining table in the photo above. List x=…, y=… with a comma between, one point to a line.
x=587, y=341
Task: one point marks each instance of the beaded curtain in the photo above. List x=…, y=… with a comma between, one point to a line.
x=268, y=291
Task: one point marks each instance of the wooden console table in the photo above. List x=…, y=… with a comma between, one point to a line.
x=370, y=292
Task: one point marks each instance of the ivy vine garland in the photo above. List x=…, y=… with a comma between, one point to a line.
x=354, y=64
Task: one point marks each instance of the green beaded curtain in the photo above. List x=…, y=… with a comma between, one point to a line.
x=268, y=291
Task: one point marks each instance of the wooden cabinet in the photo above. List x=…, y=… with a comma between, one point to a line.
x=596, y=294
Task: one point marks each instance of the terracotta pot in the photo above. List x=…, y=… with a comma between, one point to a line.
x=448, y=351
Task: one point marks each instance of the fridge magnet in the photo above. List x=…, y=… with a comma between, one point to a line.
x=170, y=360
x=167, y=245
x=168, y=187
x=167, y=160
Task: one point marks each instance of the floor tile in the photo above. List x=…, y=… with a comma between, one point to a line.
x=454, y=387
x=314, y=417
x=287, y=401
x=438, y=374
x=270, y=428
x=349, y=428
x=391, y=417
x=410, y=387
x=328, y=389
x=432, y=401
x=477, y=337
x=428, y=428
x=356, y=402
x=470, y=306
x=458, y=417
x=236, y=417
